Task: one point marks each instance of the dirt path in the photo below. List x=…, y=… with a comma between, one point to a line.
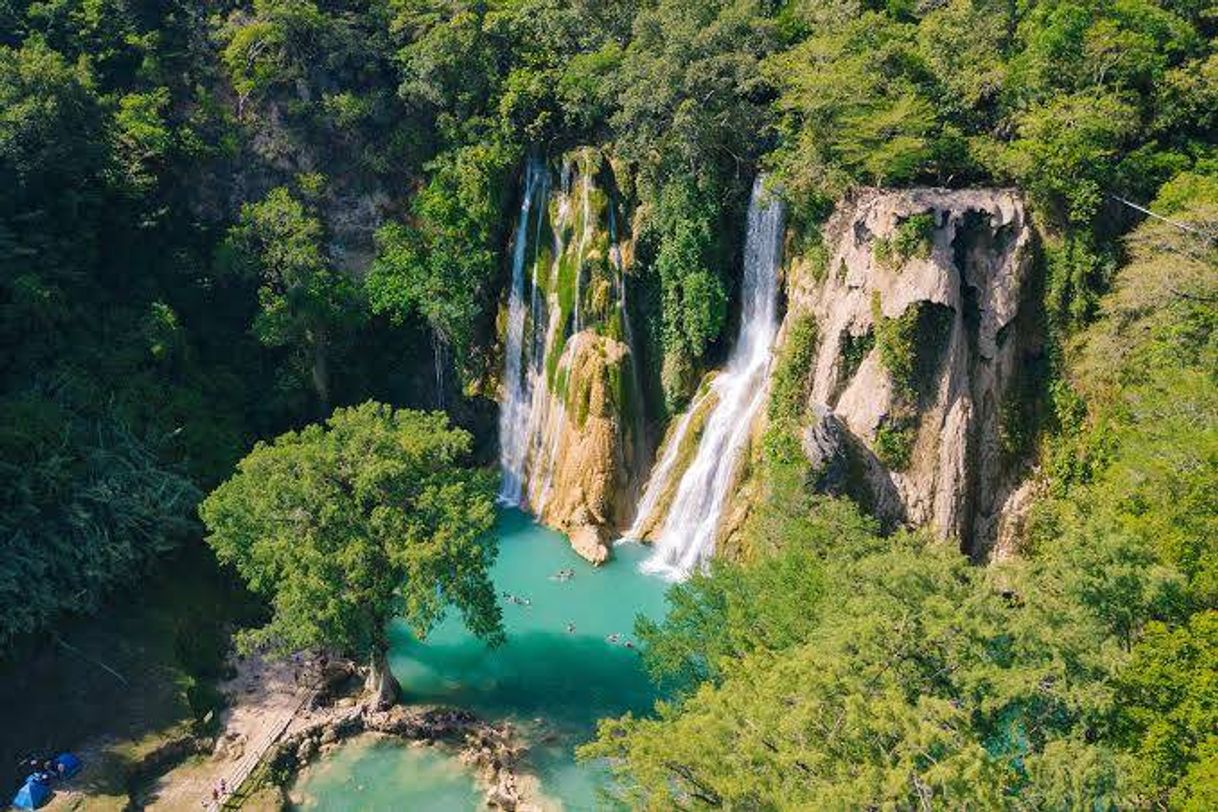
x=264, y=698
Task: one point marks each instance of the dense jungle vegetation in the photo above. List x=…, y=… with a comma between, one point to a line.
x=221, y=221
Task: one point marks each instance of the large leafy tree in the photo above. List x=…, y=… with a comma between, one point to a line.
x=307, y=303
x=443, y=263
x=345, y=525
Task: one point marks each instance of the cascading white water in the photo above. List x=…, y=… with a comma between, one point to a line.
x=530, y=420
x=687, y=536
x=517, y=400
x=661, y=473
x=545, y=333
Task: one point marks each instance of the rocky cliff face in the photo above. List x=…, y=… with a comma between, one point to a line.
x=924, y=334
x=590, y=491
x=580, y=433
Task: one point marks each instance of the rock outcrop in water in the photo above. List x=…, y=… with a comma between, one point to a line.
x=925, y=338
x=571, y=423
x=590, y=486
x=492, y=750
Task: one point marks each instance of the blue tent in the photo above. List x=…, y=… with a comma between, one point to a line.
x=32, y=794
x=70, y=764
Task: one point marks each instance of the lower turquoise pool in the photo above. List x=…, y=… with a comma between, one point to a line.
x=566, y=662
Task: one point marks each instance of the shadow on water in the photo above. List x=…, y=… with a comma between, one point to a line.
x=567, y=679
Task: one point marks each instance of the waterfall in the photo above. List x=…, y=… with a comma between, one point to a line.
x=439, y=360
x=518, y=380
x=686, y=538
x=661, y=473
x=530, y=420
x=545, y=333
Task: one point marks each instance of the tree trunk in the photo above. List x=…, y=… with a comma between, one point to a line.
x=381, y=686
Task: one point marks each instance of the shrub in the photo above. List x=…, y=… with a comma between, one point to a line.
x=854, y=350
x=894, y=441
x=915, y=236
x=911, y=345
x=793, y=370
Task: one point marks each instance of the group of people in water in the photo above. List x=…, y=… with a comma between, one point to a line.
x=563, y=575
x=566, y=574
x=616, y=639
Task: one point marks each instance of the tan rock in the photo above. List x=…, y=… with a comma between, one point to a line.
x=588, y=540
x=979, y=262
x=589, y=485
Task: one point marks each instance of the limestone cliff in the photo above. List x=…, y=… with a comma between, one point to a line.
x=590, y=489
x=923, y=331
x=572, y=425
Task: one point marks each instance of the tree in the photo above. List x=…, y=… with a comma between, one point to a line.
x=1169, y=711
x=443, y=263
x=84, y=505
x=305, y=301
x=345, y=525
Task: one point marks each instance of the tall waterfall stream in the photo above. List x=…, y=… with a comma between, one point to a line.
x=686, y=538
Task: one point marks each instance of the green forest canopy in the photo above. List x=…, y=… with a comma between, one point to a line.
x=343, y=527
x=193, y=191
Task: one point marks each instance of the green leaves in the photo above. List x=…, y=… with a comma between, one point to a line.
x=345, y=525
x=305, y=302
x=1067, y=149
x=143, y=137
x=84, y=505
x=853, y=107
x=443, y=263
x=1168, y=697
x=277, y=46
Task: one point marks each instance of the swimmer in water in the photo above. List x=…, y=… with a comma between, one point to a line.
x=570, y=627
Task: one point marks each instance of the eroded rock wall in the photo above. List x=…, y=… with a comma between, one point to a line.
x=591, y=484
x=923, y=322
x=586, y=451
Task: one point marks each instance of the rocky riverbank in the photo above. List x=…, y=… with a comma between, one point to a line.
x=493, y=750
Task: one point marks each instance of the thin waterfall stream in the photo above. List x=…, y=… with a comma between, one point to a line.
x=518, y=378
